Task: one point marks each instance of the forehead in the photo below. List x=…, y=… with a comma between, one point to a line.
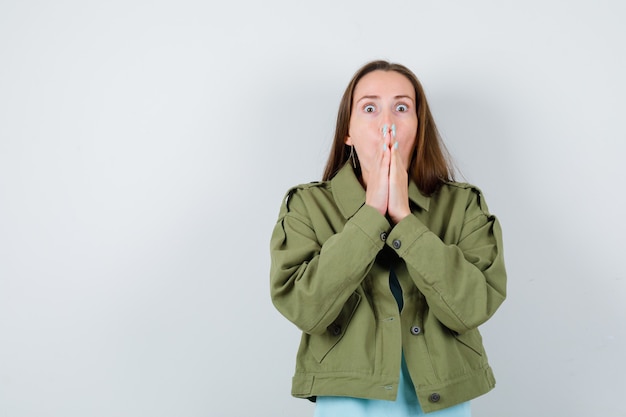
x=383, y=83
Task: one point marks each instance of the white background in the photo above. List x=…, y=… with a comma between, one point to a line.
x=145, y=147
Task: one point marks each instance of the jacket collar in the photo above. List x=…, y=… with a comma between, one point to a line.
x=350, y=194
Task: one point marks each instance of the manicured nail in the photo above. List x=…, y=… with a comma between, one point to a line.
x=384, y=130
x=393, y=130
x=395, y=145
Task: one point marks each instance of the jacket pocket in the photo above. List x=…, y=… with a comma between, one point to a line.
x=472, y=340
x=320, y=345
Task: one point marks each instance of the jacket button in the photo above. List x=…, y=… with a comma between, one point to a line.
x=383, y=236
x=396, y=244
x=335, y=329
x=415, y=330
x=434, y=397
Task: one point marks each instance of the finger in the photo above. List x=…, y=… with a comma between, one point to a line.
x=398, y=176
x=386, y=147
x=396, y=160
x=386, y=133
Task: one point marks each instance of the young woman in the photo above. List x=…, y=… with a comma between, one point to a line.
x=388, y=266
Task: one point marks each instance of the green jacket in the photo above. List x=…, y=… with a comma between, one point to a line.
x=330, y=260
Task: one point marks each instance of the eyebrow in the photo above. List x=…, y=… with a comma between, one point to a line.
x=371, y=97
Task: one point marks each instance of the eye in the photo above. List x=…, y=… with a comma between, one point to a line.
x=369, y=108
x=402, y=108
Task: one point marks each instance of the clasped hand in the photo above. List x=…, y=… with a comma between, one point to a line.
x=387, y=186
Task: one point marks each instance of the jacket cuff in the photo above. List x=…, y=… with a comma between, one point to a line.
x=405, y=234
x=373, y=224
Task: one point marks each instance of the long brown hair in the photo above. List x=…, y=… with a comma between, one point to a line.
x=430, y=163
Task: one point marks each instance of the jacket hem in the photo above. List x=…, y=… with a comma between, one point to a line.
x=431, y=397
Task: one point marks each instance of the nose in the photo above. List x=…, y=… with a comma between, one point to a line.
x=387, y=117
x=388, y=124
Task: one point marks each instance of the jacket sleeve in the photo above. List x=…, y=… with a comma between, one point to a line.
x=310, y=282
x=463, y=283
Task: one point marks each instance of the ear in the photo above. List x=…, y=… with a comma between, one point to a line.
x=348, y=141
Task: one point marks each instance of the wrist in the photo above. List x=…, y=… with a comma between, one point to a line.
x=398, y=218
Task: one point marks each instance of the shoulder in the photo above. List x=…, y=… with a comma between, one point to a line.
x=296, y=197
x=309, y=189
x=464, y=192
x=460, y=186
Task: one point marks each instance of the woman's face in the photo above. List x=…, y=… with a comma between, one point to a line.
x=382, y=98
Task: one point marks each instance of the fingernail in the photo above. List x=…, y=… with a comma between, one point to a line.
x=384, y=130
x=395, y=145
x=393, y=130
